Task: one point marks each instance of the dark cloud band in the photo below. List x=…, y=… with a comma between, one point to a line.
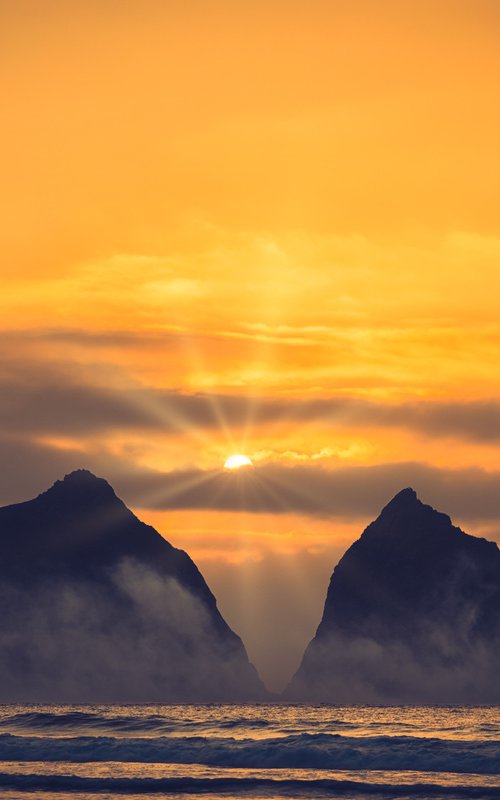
x=350, y=492
x=43, y=400
x=357, y=493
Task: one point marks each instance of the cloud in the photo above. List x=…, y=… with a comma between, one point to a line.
x=28, y=467
x=347, y=492
x=45, y=399
x=67, y=407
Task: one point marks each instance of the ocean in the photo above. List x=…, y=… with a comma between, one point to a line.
x=255, y=751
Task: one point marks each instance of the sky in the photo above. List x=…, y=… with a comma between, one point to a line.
x=267, y=228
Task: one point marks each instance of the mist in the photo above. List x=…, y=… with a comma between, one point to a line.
x=138, y=637
x=446, y=666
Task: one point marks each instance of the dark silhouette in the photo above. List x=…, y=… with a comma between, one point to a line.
x=412, y=614
x=97, y=606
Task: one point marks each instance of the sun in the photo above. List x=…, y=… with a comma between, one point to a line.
x=237, y=461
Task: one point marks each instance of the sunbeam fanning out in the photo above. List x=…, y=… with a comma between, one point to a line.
x=237, y=461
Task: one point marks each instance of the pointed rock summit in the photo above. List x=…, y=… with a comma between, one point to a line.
x=96, y=606
x=412, y=614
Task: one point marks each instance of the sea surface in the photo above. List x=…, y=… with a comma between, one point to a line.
x=255, y=751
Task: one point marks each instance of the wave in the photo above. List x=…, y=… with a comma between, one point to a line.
x=304, y=751
x=214, y=720
x=145, y=723
x=81, y=720
x=292, y=787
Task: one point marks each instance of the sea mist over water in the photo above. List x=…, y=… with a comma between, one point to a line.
x=443, y=668
x=139, y=636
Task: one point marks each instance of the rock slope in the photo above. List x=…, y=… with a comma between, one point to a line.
x=412, y=614
x=96, y=606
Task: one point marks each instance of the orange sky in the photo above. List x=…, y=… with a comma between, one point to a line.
x=268, y=227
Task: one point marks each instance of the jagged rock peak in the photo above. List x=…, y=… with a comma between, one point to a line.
x=407, y=514
x=81, y=482
x=80, y=475
x=96, y=606
x=406, y=497
x=412, y=614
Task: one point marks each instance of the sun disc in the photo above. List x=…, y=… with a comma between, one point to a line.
x=237, y=461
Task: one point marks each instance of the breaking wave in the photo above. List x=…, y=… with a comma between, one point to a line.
x=265, y=751
x=304, y=751
x=297, y=788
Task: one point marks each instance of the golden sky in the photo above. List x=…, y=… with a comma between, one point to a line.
x=260, y=227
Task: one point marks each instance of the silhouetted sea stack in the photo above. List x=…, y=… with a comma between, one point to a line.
x=412, y=615
x=95, y=606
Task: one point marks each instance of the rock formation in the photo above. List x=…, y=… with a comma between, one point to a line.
x=412, y=614
x=96, y=606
